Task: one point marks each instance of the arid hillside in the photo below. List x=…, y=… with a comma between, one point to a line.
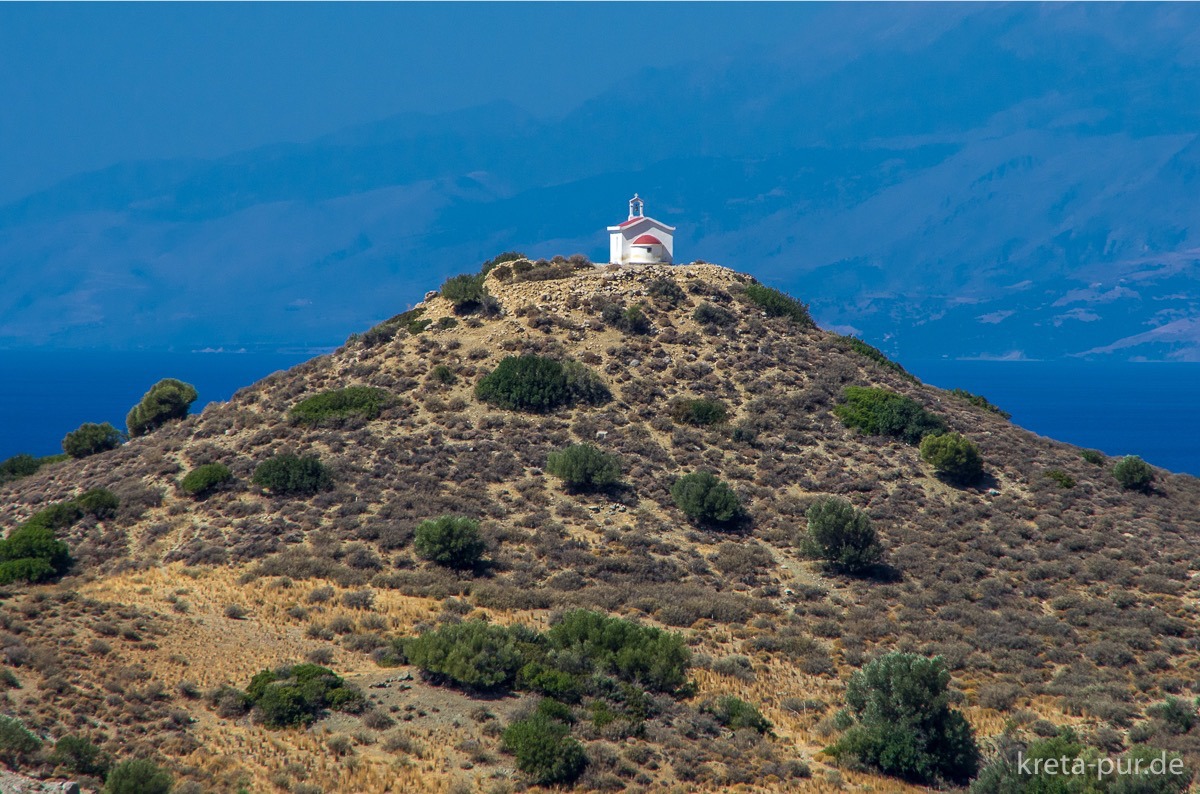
x=1056, y=596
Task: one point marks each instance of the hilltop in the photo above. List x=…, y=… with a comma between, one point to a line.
x=1055, y=596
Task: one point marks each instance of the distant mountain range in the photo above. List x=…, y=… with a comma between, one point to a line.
x=946, y=180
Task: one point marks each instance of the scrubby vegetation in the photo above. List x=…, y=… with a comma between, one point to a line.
x=902, y=723
x=18, y=745
x=138, y=776
x=452, y=541
x=166, y=401
x=1134, y=474
x=980, y=402
x=90, y=439
x=736, y=715
x=879, y=412
x=875, y=354
x=842, y=536
x=536, y=383
x=954, y=457
x=203, y=480
x=699, y=412
x=778, y=304
x=336, y=406
x=99, y=502
x=710, y=314
x=295, y=695
x=293, y=475
x=18, y=466
x=584, y=467
x=468, y=294
x=474, y=655
x=545, y=750
x=705, y=498
x=31, y=552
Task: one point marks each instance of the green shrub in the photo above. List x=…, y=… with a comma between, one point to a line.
x=875, y=354
x=709, y=314
x=468, y=294
x=472, y=654
x=499, y=259
x=879, y=412
x=90, y=439
x=203, y=480
x=665, y=292
x=293, y=475
x=59, y=515
x=1093, y=456
x=298, y=694
x=442, y=374
x=902, y=723
x=979, y=402
x=736, y=714
x=1018, y=768
x=31, y=553
x=779, y=304
x=706, y=499
x=18, y=745
x=954, y=458
x=1060, y=477
x=842, y=536
x=166, y=401
x=452, y=541
x=138, y=776
x=1178, y=715
x=18, y=466
x=643, y=655
x=1133, y=473
x=545, y=750
x=535, y=383
x=631, y=320
x=336, y=406
x=699, y=412
x=99, y=502
x=78, y=755
x=583, y=467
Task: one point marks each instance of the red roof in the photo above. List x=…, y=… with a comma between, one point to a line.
x=633, y=220
x=647, y=239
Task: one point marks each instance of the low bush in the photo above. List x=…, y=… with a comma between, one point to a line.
x=736, y=714
x=500, y=259
x=879, y=412
x=536, y=383
x=710, y=314
x=452, y=541
x=955, y=458
x=298, y=694
x=1177, y=715
x=545, y=750
x=78, y=755
x=467, y=293
x=31, y=553
x=706, y=499
x=980, y=402
x=1060, y=477
x=203, y=480
x=18, y=466
x=18, y=745
x=287, y=475
x=584, y=467
x=138, y=776
x=1093, y=456
x=842, y=536
x=643, y=655
x=873, y=353
x=442, y=374
x=338, y=405
x=166, y=401
x=1133, y=473
x=99, y=502
x=778, y=304
x=665, y=292
x=902, y=723
x=474, y=655
x=90, y=439
x=698, y=412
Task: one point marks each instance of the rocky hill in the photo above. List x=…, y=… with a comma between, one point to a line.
x=1055, y=596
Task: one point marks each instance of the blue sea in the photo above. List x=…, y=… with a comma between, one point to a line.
x=1118, y=408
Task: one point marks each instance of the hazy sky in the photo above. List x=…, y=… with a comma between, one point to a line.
x=83, y=86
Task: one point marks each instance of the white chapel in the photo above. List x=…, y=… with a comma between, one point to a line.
x=640, y=239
